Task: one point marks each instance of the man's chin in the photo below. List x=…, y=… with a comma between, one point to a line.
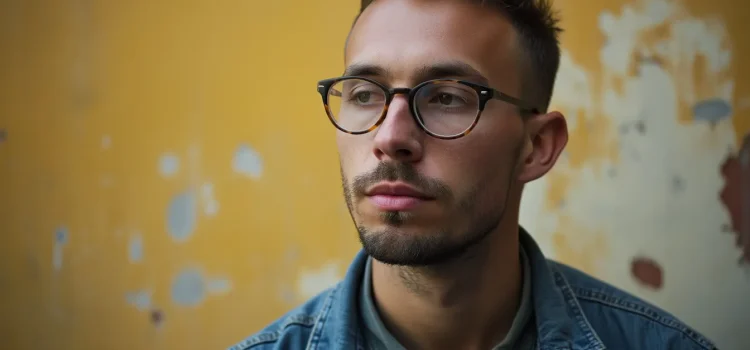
x=406, y=246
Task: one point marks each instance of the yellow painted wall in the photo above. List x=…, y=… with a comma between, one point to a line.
x=168, y=177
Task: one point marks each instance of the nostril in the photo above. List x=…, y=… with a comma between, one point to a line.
x=403, y=153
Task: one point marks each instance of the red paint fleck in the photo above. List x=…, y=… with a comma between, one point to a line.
x=648, y=272
x=736, y=196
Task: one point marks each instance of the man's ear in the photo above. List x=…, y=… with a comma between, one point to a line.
x=546, y=137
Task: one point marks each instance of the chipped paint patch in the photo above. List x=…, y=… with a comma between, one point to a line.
x=735, y=196
x=311, y=282
x=695, y=52
x=712, y=110
x=61, y=239
x=247, y=162
x=219, y=286
x=647, y=272
x=140, y=299
x=181, y=216
x=169, y=164
x=189, y=287
x=135, y=248
x=210, y=204
x=657, y=197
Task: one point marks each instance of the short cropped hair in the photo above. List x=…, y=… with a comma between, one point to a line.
x=538, y=30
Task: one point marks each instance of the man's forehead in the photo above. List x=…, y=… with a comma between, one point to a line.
x=404, y=36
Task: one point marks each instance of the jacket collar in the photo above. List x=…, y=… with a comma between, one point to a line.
x=560, y=321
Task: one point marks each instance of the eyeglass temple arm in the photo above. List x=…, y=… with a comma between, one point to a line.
x=525, y=107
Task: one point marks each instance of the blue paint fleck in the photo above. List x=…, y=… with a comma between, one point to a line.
x=135, y=248
x=169, y=164
x=61, y=235
x=61, y=239
x=712, y=110
x=247, y=161
x=181, y=216
x=189, y=288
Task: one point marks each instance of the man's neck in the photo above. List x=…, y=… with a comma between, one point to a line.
x=468, y=303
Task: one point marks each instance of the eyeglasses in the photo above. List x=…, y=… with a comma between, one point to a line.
x=443, y=108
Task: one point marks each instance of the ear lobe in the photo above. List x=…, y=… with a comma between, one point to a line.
x=547, y=137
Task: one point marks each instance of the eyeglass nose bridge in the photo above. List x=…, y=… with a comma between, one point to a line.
x=409, y=94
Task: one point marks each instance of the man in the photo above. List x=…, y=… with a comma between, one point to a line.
x=442, y=118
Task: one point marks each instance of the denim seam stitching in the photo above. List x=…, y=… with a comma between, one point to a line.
x=643, y=311
x=593, y=338
x=267, y=337
x=320, y=322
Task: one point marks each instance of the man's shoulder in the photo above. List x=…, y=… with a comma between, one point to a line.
x=619, y=317
x=293, y=329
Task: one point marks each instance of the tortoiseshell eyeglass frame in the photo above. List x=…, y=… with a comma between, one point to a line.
x=484, y=94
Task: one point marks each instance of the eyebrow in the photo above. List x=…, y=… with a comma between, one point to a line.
x=441, y=70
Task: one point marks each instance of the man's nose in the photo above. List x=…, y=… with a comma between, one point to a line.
x=399, y=138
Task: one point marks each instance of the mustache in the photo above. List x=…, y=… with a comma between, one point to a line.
x=400, y=172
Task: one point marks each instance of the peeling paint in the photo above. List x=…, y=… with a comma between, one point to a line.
x=140, y=299
x=310, y=282
x=135, y=248
x=647, y=272
x=210, y=204
x=735, y=195
x=247, y=162
x=169, y=164
x=189, y=288
x=61, y=239
x=712, y=110
x=181, y=216
x=656, y=196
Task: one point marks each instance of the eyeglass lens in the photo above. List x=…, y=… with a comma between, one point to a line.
x=444, y=108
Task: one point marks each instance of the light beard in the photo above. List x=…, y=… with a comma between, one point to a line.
x=394, y=245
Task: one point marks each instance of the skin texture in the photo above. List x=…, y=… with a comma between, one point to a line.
x=446, y=273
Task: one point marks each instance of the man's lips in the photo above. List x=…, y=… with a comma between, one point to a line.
x=396, y=196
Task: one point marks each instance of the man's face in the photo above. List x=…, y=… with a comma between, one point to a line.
x=417, y=199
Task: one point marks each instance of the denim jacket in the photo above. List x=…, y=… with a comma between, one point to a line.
x=572, y=311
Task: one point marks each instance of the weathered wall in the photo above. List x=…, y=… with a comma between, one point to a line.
x=653, y=193
x=168, y=178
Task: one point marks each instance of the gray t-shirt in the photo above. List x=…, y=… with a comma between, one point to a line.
x=521, y=336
